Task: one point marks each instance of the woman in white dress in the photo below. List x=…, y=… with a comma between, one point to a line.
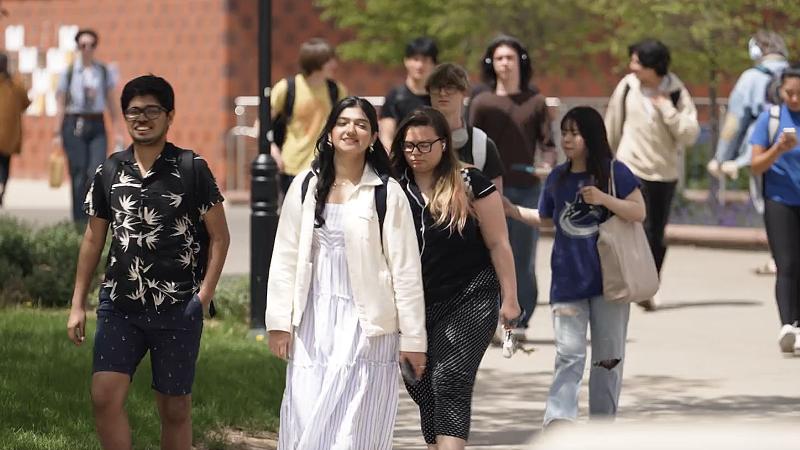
x=345, y=298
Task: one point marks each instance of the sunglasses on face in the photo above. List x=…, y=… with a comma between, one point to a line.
x=149, y=112
x=423, y=147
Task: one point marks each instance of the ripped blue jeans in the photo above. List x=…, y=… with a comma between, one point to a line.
x=609, y=327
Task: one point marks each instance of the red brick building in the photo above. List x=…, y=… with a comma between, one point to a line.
x=207, y=49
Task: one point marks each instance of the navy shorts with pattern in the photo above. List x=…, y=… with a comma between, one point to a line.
x=172, y=336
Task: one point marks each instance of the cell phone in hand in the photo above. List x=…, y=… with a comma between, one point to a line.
x=790, y=130
x=408, y=373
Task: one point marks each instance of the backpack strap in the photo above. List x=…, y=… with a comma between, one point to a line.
x=186, y=169
x=68, y=92
x=624, y=107
x=675, y=96
x=764, y=69
x=288, y=104
x=304, y=187
x=380, y=203
x=110, y=168
x=478, y=148
x=333, y=91
x=774, y=123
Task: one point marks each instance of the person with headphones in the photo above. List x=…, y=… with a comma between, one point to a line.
x=746, y=101
x=514, y=115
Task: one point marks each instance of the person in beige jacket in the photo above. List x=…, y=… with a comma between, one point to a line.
x=345, y=296
x=13, y=102
x=649, y=119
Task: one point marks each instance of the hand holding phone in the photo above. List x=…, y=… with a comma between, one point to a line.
x=788, y=138
x=408, y=372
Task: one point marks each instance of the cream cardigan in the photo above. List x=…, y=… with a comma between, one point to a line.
x=650, y=140
x=386, y=278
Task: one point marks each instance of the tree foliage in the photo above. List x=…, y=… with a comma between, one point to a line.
x=707, y=37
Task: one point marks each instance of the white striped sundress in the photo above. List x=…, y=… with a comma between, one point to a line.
x=341, y=386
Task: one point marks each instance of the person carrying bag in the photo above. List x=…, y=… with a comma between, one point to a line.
x=627, y=264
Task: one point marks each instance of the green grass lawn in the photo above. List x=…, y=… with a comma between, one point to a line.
x=44, y=385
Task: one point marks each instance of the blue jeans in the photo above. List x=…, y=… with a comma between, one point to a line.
x=523, y=239
x=86, y=150
x=609, y=325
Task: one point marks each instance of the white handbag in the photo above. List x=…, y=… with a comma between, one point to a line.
x=627, y=264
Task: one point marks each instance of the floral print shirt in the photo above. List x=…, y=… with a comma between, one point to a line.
x=153, y=260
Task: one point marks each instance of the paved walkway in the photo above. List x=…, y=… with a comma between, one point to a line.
x=710, y=351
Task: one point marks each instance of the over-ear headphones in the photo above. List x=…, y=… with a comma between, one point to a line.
x=754, y=50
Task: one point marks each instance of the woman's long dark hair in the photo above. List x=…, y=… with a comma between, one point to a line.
x=323, y=162
x=590, y=125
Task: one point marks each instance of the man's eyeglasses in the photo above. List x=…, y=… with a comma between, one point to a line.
x=85, y=45
x=423, y=147
x=150, y=112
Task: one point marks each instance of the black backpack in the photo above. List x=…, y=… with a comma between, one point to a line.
x=772, y=95
x=282, y=120
x=187, y=172
x=380, y=197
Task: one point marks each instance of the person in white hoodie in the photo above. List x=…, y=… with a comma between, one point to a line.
x=649, y=119
x=344, y=295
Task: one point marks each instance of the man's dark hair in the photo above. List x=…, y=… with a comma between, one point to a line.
x=652, y=54
x=447, y=75
x=148, y=85
x=314, y=54
x=90, y=32
x=422, y=46
x=488, y=74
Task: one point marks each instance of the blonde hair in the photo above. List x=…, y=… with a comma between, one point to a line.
x=450, y=204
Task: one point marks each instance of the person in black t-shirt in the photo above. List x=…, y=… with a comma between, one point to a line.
x=466, y=263
x=164, y=210
x=421, y=54
x=447, y=85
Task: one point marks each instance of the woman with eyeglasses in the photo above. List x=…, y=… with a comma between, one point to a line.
x=345, y=293
x=466, y=263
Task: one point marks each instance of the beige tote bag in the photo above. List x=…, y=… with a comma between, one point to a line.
x=629, y=271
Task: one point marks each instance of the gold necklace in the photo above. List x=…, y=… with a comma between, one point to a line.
x=336, y=185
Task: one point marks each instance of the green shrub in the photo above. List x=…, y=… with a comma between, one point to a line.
x=232, y=299
x=55, y=255
x=15, y=244
x=38, y=266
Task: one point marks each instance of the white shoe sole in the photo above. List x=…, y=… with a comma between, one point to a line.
x=786, y=342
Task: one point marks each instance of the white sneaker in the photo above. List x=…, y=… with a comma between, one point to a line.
x=787, y=338
x=730, y=169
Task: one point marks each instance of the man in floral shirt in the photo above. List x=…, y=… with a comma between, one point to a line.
x=168, y=245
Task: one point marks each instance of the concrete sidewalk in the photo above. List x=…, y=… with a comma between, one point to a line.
x=709, y=352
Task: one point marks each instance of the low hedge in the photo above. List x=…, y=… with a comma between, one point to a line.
x=38, y=266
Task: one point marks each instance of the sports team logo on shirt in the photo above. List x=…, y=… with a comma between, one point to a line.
x=579, y=219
